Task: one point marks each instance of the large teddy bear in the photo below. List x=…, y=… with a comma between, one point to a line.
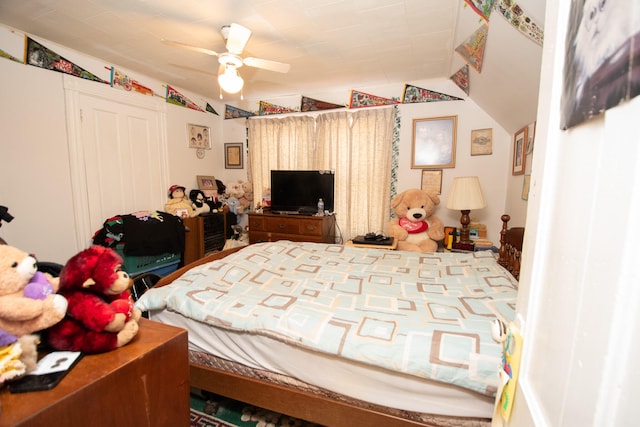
x=101, y=316
x=28, y=304
x=415, y=227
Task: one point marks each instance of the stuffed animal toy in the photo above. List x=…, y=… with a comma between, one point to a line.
x=101, y=316
x=40, y=286
x=233, y=205
x=242, y=191
x=415, y=227
x=19, y=314
x=215, y=197
x=179, y=204
x=247, y=197
x=198, y=201
x=28, y=304
x=18, y=358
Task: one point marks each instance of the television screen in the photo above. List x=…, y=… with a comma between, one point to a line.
x=298, y=191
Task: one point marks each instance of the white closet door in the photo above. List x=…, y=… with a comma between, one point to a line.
x=120, y=148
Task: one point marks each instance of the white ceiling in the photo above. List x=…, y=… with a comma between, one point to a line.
x=329, y=43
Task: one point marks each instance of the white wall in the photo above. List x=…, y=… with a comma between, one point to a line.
x=579, y=297
x=34, y=129
x=35, y=183
x=494, y=170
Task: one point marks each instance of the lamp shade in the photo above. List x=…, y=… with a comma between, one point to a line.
x=466, y=194
x=230, y=81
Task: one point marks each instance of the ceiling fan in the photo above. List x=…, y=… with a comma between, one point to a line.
x=236, y=37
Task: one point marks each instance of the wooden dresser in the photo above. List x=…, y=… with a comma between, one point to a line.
x=144, y=383
x=297, y=228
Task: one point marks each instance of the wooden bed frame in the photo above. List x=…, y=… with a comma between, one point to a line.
x=318, y=408
x=510, y=247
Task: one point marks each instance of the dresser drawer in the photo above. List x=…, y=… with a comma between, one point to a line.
x=298, y=228
x=256, y=223
x=282, y=224
x=310, y=227
x=265, y=236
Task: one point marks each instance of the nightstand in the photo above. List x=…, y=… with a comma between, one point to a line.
x=143, y=383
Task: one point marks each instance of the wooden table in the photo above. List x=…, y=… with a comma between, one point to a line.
x=144, y=383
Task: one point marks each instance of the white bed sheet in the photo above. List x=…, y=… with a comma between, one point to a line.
x=359, y=381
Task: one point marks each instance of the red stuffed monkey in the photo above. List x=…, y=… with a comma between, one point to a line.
x=100, y=316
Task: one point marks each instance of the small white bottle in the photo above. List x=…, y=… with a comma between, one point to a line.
x=320, y=207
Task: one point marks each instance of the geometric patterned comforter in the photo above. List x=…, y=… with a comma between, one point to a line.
x=422, y=314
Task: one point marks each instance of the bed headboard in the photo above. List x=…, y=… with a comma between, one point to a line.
x=510, y=246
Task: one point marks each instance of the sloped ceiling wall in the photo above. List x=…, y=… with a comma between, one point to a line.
x=329, y=44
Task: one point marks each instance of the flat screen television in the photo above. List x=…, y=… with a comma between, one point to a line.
x=298, y=191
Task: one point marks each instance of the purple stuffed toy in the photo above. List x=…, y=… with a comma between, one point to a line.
x=39, y=287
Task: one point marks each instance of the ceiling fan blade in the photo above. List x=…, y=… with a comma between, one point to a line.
x=279, y=67
x=238, y=38
x=188, y=46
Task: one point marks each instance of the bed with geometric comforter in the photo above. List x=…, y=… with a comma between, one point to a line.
x=421, y=316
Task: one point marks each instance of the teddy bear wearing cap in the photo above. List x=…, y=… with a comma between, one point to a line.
x=100, y=316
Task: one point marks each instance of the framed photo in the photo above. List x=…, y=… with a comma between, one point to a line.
x=525, y=187
x=206, y=182
x=481, y=142
x=233, y=155
x=519, y=151
x=432, y=181
x=531, y=135
x=434, y=142
x=199, y=136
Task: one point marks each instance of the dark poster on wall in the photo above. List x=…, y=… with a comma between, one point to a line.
x=40, y=56
x=602, y=58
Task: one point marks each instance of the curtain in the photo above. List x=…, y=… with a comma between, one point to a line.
x=356, y=145
x=287, y=143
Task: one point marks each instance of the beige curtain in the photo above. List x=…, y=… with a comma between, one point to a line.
x=274, y=143
x=356, y=145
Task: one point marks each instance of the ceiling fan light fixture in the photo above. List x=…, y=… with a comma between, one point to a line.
x=230, y=81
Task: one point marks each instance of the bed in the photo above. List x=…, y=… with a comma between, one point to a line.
x=345, y=335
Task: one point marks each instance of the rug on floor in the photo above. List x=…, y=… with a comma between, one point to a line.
x=210, y=410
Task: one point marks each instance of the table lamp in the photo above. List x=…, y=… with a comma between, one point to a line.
x=464, y=196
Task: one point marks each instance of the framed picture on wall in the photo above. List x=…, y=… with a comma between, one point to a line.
x=434, y=142
x=431, y=181
x=198, y=136
x=526, y=183
x=233, y=155
x=206, y=182
x=519, y=151
x=531, y=135
x=481, y=142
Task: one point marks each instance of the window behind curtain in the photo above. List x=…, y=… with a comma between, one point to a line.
x=357, y=145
